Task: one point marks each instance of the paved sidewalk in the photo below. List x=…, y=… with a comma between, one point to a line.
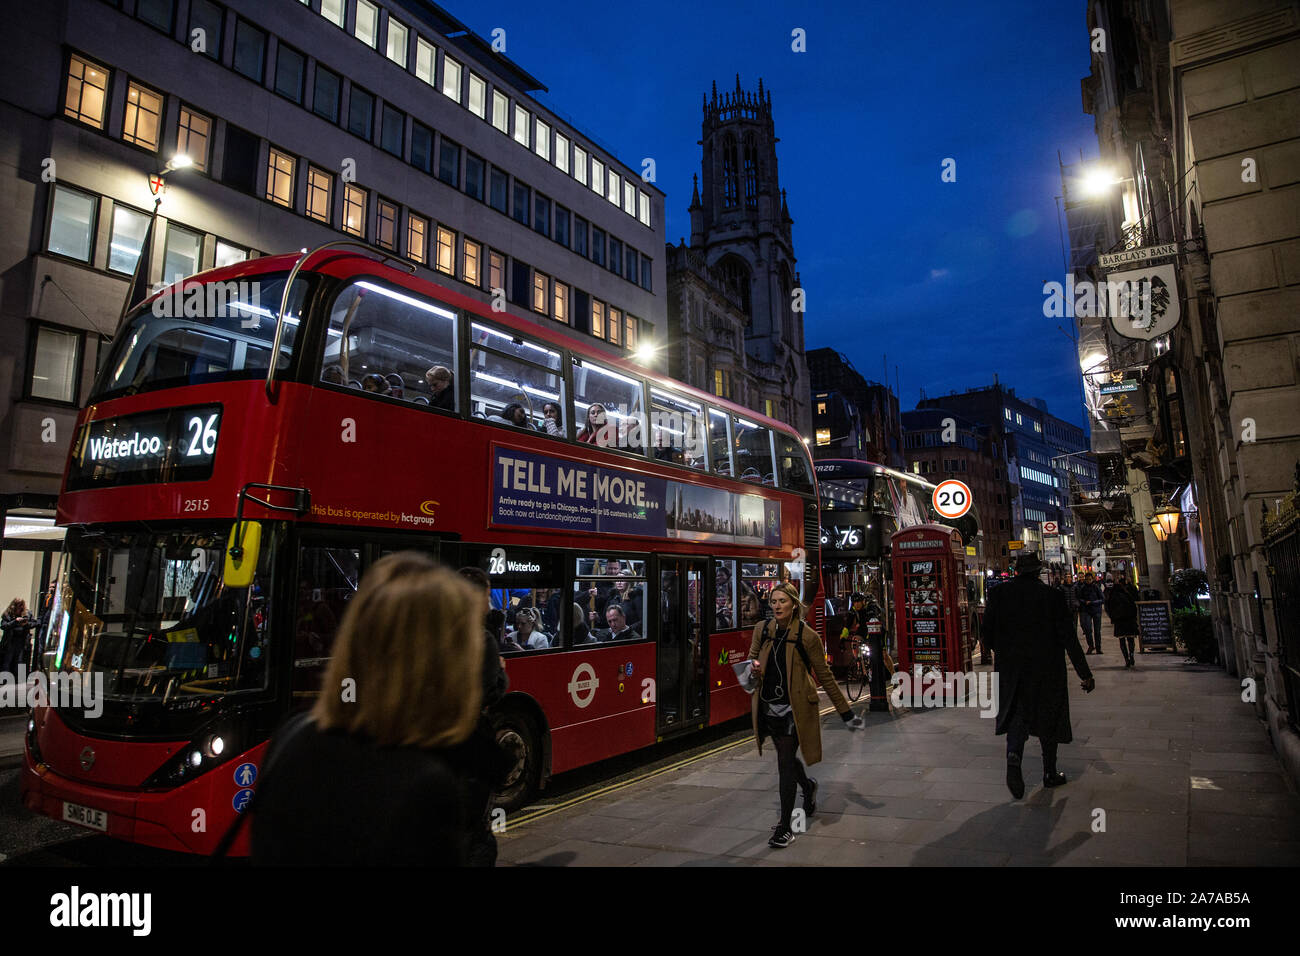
x=1167, y=758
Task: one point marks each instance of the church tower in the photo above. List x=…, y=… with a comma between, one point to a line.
x=741, y=224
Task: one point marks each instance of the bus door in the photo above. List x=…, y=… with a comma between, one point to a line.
x=682, y=679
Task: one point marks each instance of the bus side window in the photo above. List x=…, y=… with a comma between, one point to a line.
x=327, y=580
x=609, y=408
x=753, y=452
x=391, y=343
x=611, y=591
x=508, y=372
x=719, y=442
x=793, y=465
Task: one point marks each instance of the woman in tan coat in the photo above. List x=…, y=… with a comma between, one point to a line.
x=785, y=707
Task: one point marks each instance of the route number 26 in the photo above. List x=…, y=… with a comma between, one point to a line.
x=203, y=435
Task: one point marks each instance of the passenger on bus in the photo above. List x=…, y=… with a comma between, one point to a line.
x=333, y=375
x=528, y=632
x=374, y=383
x=629, y=597
x=441, y=388
x=619, y=629
x=396, y=387
x=598, y=430
x=552, y=421
x=384, y=776
x=515, y=414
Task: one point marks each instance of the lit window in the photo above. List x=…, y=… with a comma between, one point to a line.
x=192, y=137
x=1007, y=412
x=496, y=272
x=645, y=209
x=417, y=230
x=386, y=224
x=522, y=119
x=477, y=96
x=279, y=178
x=425, y=57
x=446, y=259
x=355, y=200
x=1018, y=420
x=821, y=408
x=367, y=28
x=56, y=360
x=824, y=438
x=450, y=78
x=228, y=254
x=631, y=333
x=397, y=41
x=143, y=117
x=629, y=198
x=597, y=177
x=129, y=228
x=335, y=11
x=561, y=311
x=543, y=142
x=181, y=253
x=540, y=291
x=597, y=319
x=320, y=186
x=500, y=111
x=612, y=195
x=561, y=152
x=615, y=324
x=470, y=258
x=580, y=164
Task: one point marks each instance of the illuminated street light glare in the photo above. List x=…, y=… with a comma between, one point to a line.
x=1096, y=182
x=179, y=161
x=645, y=352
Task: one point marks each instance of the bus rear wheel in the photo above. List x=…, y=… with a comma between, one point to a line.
x=517, y=735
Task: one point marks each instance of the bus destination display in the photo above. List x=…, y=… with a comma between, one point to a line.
x=173, y=444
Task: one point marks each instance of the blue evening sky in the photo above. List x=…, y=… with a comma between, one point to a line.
x=946, y=279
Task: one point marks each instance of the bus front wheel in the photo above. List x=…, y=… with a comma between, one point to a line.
x=516, y=735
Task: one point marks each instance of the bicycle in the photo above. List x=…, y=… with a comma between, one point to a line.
x=858, y=677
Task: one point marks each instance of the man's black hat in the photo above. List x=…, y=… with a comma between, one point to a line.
x=1028, y=564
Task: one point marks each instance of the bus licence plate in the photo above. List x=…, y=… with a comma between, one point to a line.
x=85, y=816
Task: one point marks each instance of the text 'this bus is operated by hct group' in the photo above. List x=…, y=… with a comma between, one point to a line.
x=244, y=459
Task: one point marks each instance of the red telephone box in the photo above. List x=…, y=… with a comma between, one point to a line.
x=931, y=614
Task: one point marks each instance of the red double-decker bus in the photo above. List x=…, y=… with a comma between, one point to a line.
x=262, y=433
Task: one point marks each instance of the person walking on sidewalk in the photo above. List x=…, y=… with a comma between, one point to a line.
x=1091, y=600
x=785, y=653
x=1027, y=624
x=1122, y=609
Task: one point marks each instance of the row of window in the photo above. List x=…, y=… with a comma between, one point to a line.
x=1042, y=477
x=86, y=101
x=471, y=91
x=74, y=225
x=413, y=53
x=388, y=343
x=74, y=219
x=1038, y=426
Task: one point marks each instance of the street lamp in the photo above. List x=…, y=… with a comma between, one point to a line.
x=1167, y=518
x=1158, y=528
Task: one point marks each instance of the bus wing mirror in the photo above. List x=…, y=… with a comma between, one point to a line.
x=244, y=546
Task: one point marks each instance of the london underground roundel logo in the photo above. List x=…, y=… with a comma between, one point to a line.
x=951, y=498
x=583, y=684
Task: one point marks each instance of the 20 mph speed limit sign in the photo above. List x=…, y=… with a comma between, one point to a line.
x=952, y=498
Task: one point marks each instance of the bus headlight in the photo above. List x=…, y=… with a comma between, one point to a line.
x=216, y=745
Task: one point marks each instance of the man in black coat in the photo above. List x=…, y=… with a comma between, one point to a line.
x=1027, y=625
